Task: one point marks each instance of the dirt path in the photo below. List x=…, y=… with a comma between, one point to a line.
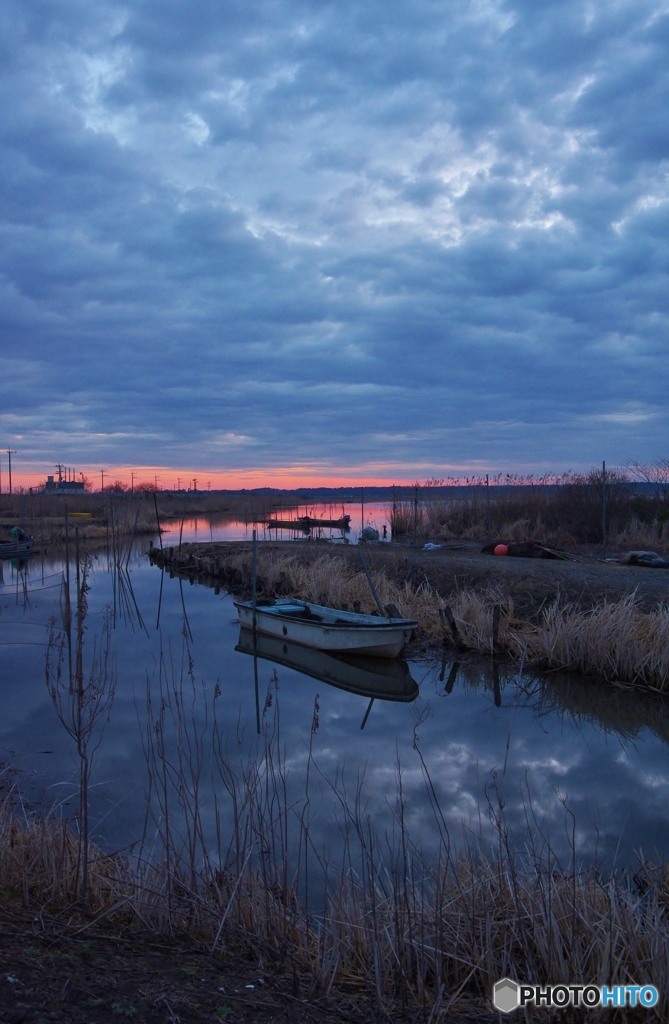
x=53, y=968
x=531, y=582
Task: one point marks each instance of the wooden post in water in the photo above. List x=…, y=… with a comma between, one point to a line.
x=450, y=619
x=496, y=614
x=452, y=676
x=496, y=689
x=155, y=505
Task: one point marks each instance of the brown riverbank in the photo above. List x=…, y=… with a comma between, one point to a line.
x=602, y=619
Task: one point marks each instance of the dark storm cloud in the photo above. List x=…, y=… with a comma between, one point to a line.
x=393, y=232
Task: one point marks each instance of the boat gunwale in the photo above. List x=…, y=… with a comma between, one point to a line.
x=370, y=621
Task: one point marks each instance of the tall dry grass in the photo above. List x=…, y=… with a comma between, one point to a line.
x=564, y=511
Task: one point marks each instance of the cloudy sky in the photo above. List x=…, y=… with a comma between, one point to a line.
x=383, y=240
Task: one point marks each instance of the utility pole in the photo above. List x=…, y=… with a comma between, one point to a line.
x=604, y=507
x=132, y=482
x=195, y=483
x=9, y=458
x=102, y=481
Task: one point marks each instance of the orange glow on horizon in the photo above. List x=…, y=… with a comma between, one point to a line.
x=284, y=477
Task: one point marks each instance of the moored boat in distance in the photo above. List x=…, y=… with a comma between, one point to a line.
x=16, y=542
x=381, y=678
x=285, y=524
x=327, y=629
x=342, y=523
x=308, y=523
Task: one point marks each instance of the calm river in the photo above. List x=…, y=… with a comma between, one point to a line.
x=543, y=743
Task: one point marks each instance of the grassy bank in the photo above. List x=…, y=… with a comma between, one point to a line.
x=613, y=640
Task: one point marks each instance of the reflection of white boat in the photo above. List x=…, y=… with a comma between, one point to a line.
x=328, y=629
x=382, y=678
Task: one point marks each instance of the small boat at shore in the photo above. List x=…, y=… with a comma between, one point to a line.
x=308, y=523
x=327, y=629
x=381, y=678
x=286, y=524
x=18, y=542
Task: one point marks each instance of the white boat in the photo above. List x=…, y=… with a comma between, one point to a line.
x=381, y=678
x=327, y=629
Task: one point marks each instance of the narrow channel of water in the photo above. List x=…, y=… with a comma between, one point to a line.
x=376, y=516
x=539, y=743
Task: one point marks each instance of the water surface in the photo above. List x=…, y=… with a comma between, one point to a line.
x=485, y=734
x=193, y=528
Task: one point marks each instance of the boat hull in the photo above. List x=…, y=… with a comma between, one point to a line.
x=14, y=550
x=381, y=678
x=286, y=524
x=327, y=629
x=307, y=523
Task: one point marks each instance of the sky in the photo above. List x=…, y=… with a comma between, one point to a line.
x=263, y=242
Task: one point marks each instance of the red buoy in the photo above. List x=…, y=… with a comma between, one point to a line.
x=501, y=549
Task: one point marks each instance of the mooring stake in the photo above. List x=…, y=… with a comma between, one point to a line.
x=496, y=615
x=452, y=676
x=450, y=619
x=371, y=583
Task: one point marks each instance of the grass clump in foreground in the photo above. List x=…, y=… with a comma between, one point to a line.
x=415, y=936
x=615, y=641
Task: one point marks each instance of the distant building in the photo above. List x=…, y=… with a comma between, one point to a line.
x=64, y=486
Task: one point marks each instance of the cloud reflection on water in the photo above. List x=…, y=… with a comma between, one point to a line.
x=604, y=752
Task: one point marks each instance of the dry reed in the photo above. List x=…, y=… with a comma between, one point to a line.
x=388, y=926
x=615, y=641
